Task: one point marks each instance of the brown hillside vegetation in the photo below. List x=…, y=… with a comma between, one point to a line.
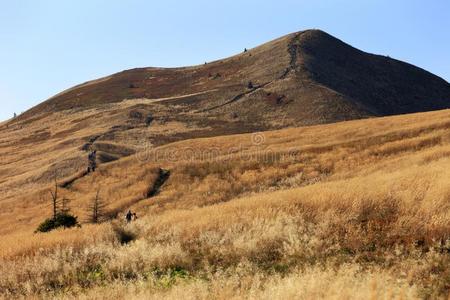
x=242, y=188
x=357, y=209
x=309, y=77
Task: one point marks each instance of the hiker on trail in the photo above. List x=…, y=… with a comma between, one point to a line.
x=92, y=161
x=134, y=217
x=129, y=216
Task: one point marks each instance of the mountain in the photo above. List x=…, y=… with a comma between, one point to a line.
x=307, y=77
x=304, y=78
x=226, y=206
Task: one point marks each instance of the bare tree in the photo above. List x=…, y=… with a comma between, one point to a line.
x=61, y=216
x=55, y=201
x=96, y=209
x=65, y=209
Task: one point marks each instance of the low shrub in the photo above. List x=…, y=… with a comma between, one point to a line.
x=61, y=220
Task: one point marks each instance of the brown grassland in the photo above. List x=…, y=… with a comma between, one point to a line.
x=352, y=210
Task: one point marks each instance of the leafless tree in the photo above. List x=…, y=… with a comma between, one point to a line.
x=55, y=200
x=96, y=209
x=65, y=209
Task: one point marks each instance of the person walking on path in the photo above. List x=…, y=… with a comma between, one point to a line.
x=129, y=216
x=92, y=161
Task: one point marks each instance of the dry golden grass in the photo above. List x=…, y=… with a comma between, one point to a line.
x=352, y=210
x=348, y=282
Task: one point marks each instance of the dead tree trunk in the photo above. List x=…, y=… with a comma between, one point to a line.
x=96, y=209
x=55, y=202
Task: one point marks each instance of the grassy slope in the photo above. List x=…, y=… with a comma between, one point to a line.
x=308, y=77
x=357, y=208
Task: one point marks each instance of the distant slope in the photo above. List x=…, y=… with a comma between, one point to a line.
x=303, y=78
x=385, y=86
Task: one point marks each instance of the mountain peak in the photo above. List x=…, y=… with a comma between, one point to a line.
x=310, y=77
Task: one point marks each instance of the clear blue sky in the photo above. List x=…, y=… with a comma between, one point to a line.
x=47, y=46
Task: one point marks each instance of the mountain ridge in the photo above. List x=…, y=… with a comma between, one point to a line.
x=322, y=79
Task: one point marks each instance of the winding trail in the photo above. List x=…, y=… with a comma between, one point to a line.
x=293, y=53
x=163, y=176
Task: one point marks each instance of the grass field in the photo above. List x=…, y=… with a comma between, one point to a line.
x=353, y=210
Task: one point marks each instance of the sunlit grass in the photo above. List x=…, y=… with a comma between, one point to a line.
x=352, y=210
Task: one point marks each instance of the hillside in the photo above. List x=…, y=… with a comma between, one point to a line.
x=303, y=78
x=272, y=210
x=310, y=77
x=242, y=192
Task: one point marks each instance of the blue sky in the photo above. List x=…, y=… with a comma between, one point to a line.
x=48, y=46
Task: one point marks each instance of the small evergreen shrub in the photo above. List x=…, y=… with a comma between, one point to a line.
x=61, y=220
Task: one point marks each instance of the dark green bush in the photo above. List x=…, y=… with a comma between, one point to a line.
x=61, y=220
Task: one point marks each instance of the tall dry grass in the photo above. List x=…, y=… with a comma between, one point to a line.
x=351, y=210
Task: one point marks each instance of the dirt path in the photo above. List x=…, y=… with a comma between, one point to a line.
x=147, y=101
x=162, y=178
x=293, y=53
